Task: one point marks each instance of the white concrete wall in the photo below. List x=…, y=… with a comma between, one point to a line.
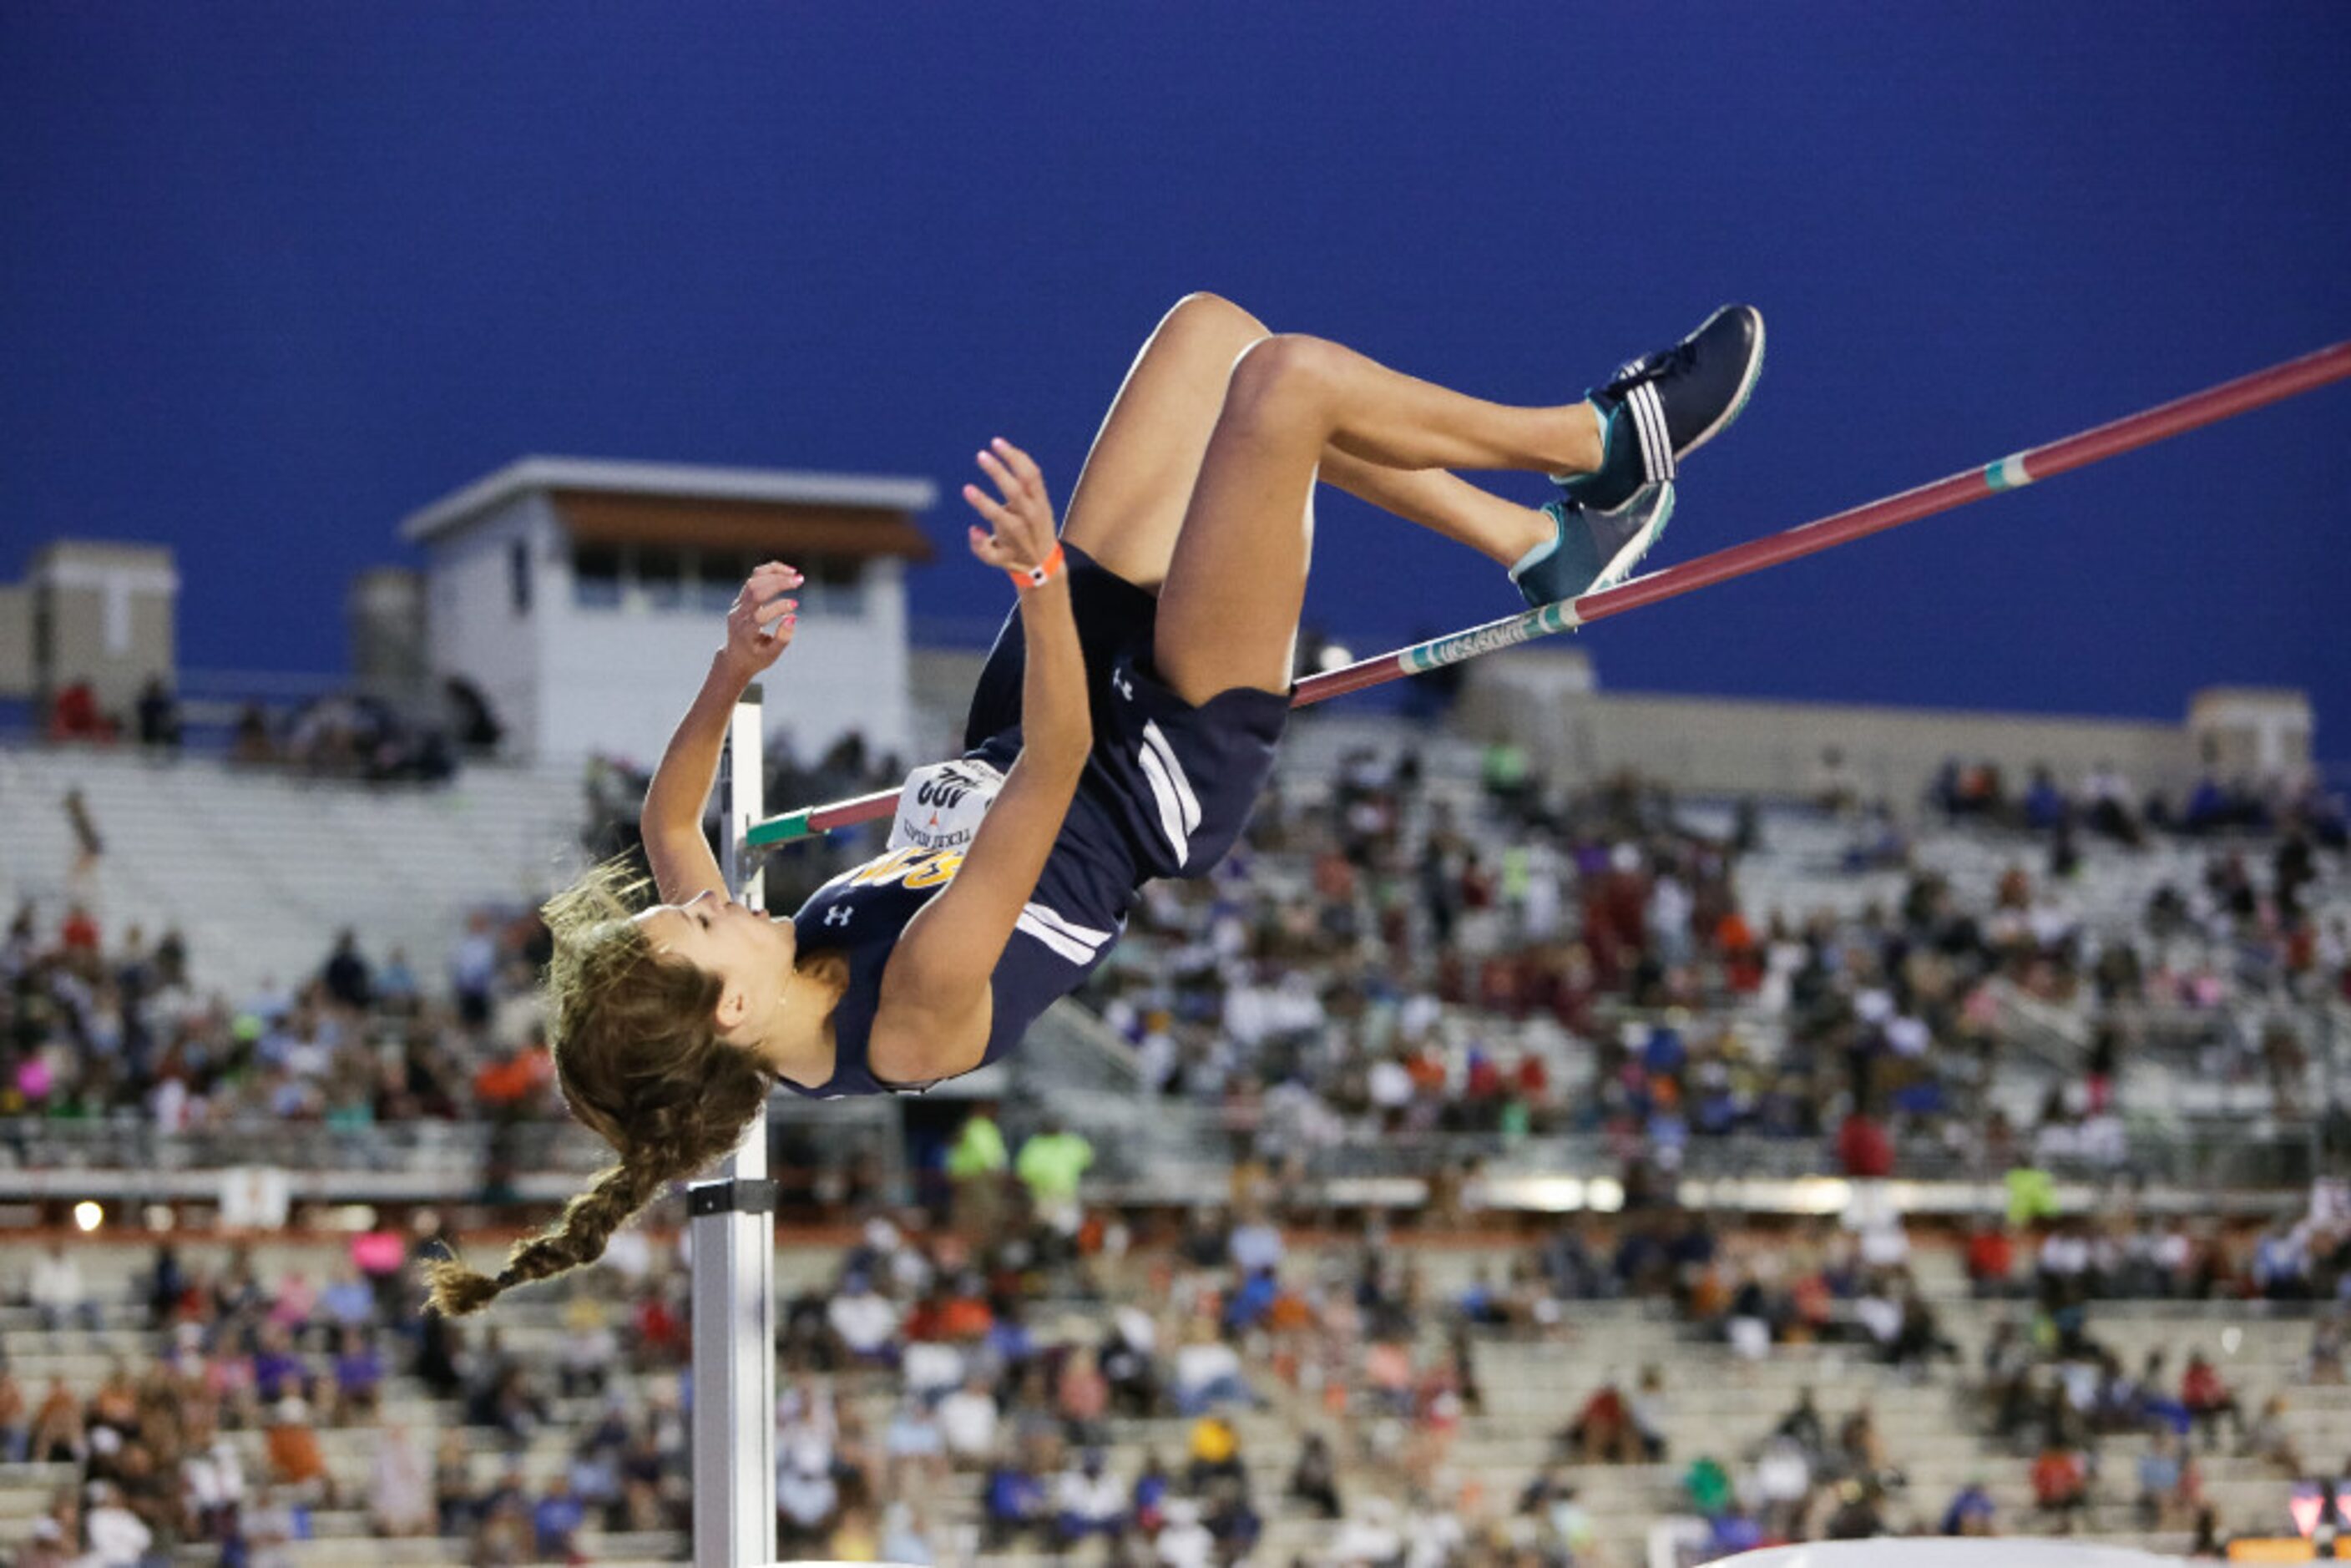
x=469, y=617
x=614, y=679
x=1545, y=700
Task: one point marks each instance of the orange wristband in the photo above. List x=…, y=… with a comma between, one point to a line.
x=1043, y=573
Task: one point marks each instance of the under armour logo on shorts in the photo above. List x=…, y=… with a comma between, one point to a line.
x=838, y=915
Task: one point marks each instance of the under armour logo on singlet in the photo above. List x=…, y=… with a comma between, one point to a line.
x=1124, y=688
x=838, y=915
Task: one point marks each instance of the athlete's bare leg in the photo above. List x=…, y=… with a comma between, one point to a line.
x=1130, y=497
x=1229, y=605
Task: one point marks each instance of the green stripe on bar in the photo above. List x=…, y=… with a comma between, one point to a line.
x=780, y=829
x=2008, y=473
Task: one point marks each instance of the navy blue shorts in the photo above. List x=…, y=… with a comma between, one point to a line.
x=1175, y=782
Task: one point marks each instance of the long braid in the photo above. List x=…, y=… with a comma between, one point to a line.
x=579, y=1238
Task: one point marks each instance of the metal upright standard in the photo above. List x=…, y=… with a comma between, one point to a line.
x=2275, y=385
x=733, y=1226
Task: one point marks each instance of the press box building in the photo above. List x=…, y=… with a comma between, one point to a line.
x=584, y=598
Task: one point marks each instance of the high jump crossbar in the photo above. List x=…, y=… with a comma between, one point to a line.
x=2290, y=379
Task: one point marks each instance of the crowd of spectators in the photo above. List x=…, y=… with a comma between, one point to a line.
x=2046, y=1394
x=92, y=1029
x=2104, y=804
x=1384, y=969
x=1396, y=963
x=941, y=1373
x=339, y=734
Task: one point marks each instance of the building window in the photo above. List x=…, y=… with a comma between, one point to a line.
x=596, y=577
x=835, y=585
x=719, y=577
x=661, y=576
x=518, y=576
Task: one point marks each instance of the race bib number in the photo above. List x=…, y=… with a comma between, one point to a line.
x=942, y=805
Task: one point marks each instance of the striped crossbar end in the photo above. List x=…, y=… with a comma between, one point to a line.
x=780, y=829
x=2009, y=473
x=810, y=820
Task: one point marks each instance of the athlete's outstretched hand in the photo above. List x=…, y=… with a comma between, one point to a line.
x=759, y=624
x=1023, y=521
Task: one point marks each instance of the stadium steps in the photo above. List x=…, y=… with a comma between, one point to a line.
x=260, y=869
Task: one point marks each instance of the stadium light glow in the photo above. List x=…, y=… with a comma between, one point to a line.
x=88, y=1217
x=157, y=1217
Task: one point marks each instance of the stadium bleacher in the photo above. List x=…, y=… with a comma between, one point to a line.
x=1235, y=1061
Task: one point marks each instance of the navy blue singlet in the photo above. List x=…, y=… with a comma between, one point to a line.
x=1167, y=790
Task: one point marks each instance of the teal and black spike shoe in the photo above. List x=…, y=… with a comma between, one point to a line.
x=1589, y=551
x=1662, y=407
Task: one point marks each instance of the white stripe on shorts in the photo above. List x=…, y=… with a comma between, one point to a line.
x=1084, y=935
x=1157, y=739
x=1066, y=947
x=1171, y=808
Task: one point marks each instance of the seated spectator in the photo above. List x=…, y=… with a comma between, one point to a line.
x=118, y=1538
x=1214, y=1450
x=591, y=1348
x=1992, y=1259
x=278, y=1369
x=1184, y=1541
x=296, y=1458
x=2060, y=1483
x=2327, y=1337
x=1647, y=1411
x=1014, y=1505
x=968, y=1419
x=914, y=1448
x=75, y=714
x=1709, y=1485
x=1971, y=1511
x=1783, y=1484
x=58, y=1293
x=1081, y=1395
x=1314, y=1479
x=807, y=1498
x=2168, y=1484
x=1088, y=1501
x=1919, y=1339
x=1207, y=1372
x=2208, y=1398
x=556, y=1521
x=1859, y=1514
x=349, y=1301
x=1149, y=1509
x=866, y=1321
x=1603, y=1431
x=358, y=1377
x=1804, y=1425
x=1861, y=1450
x=452, y=1485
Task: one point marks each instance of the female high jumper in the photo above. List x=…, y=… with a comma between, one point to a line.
x=1121, y=728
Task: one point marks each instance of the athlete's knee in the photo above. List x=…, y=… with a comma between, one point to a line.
x=1207, y=313
x=1284, y=376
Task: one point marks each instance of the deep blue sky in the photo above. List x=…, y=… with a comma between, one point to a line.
x=272, y=276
